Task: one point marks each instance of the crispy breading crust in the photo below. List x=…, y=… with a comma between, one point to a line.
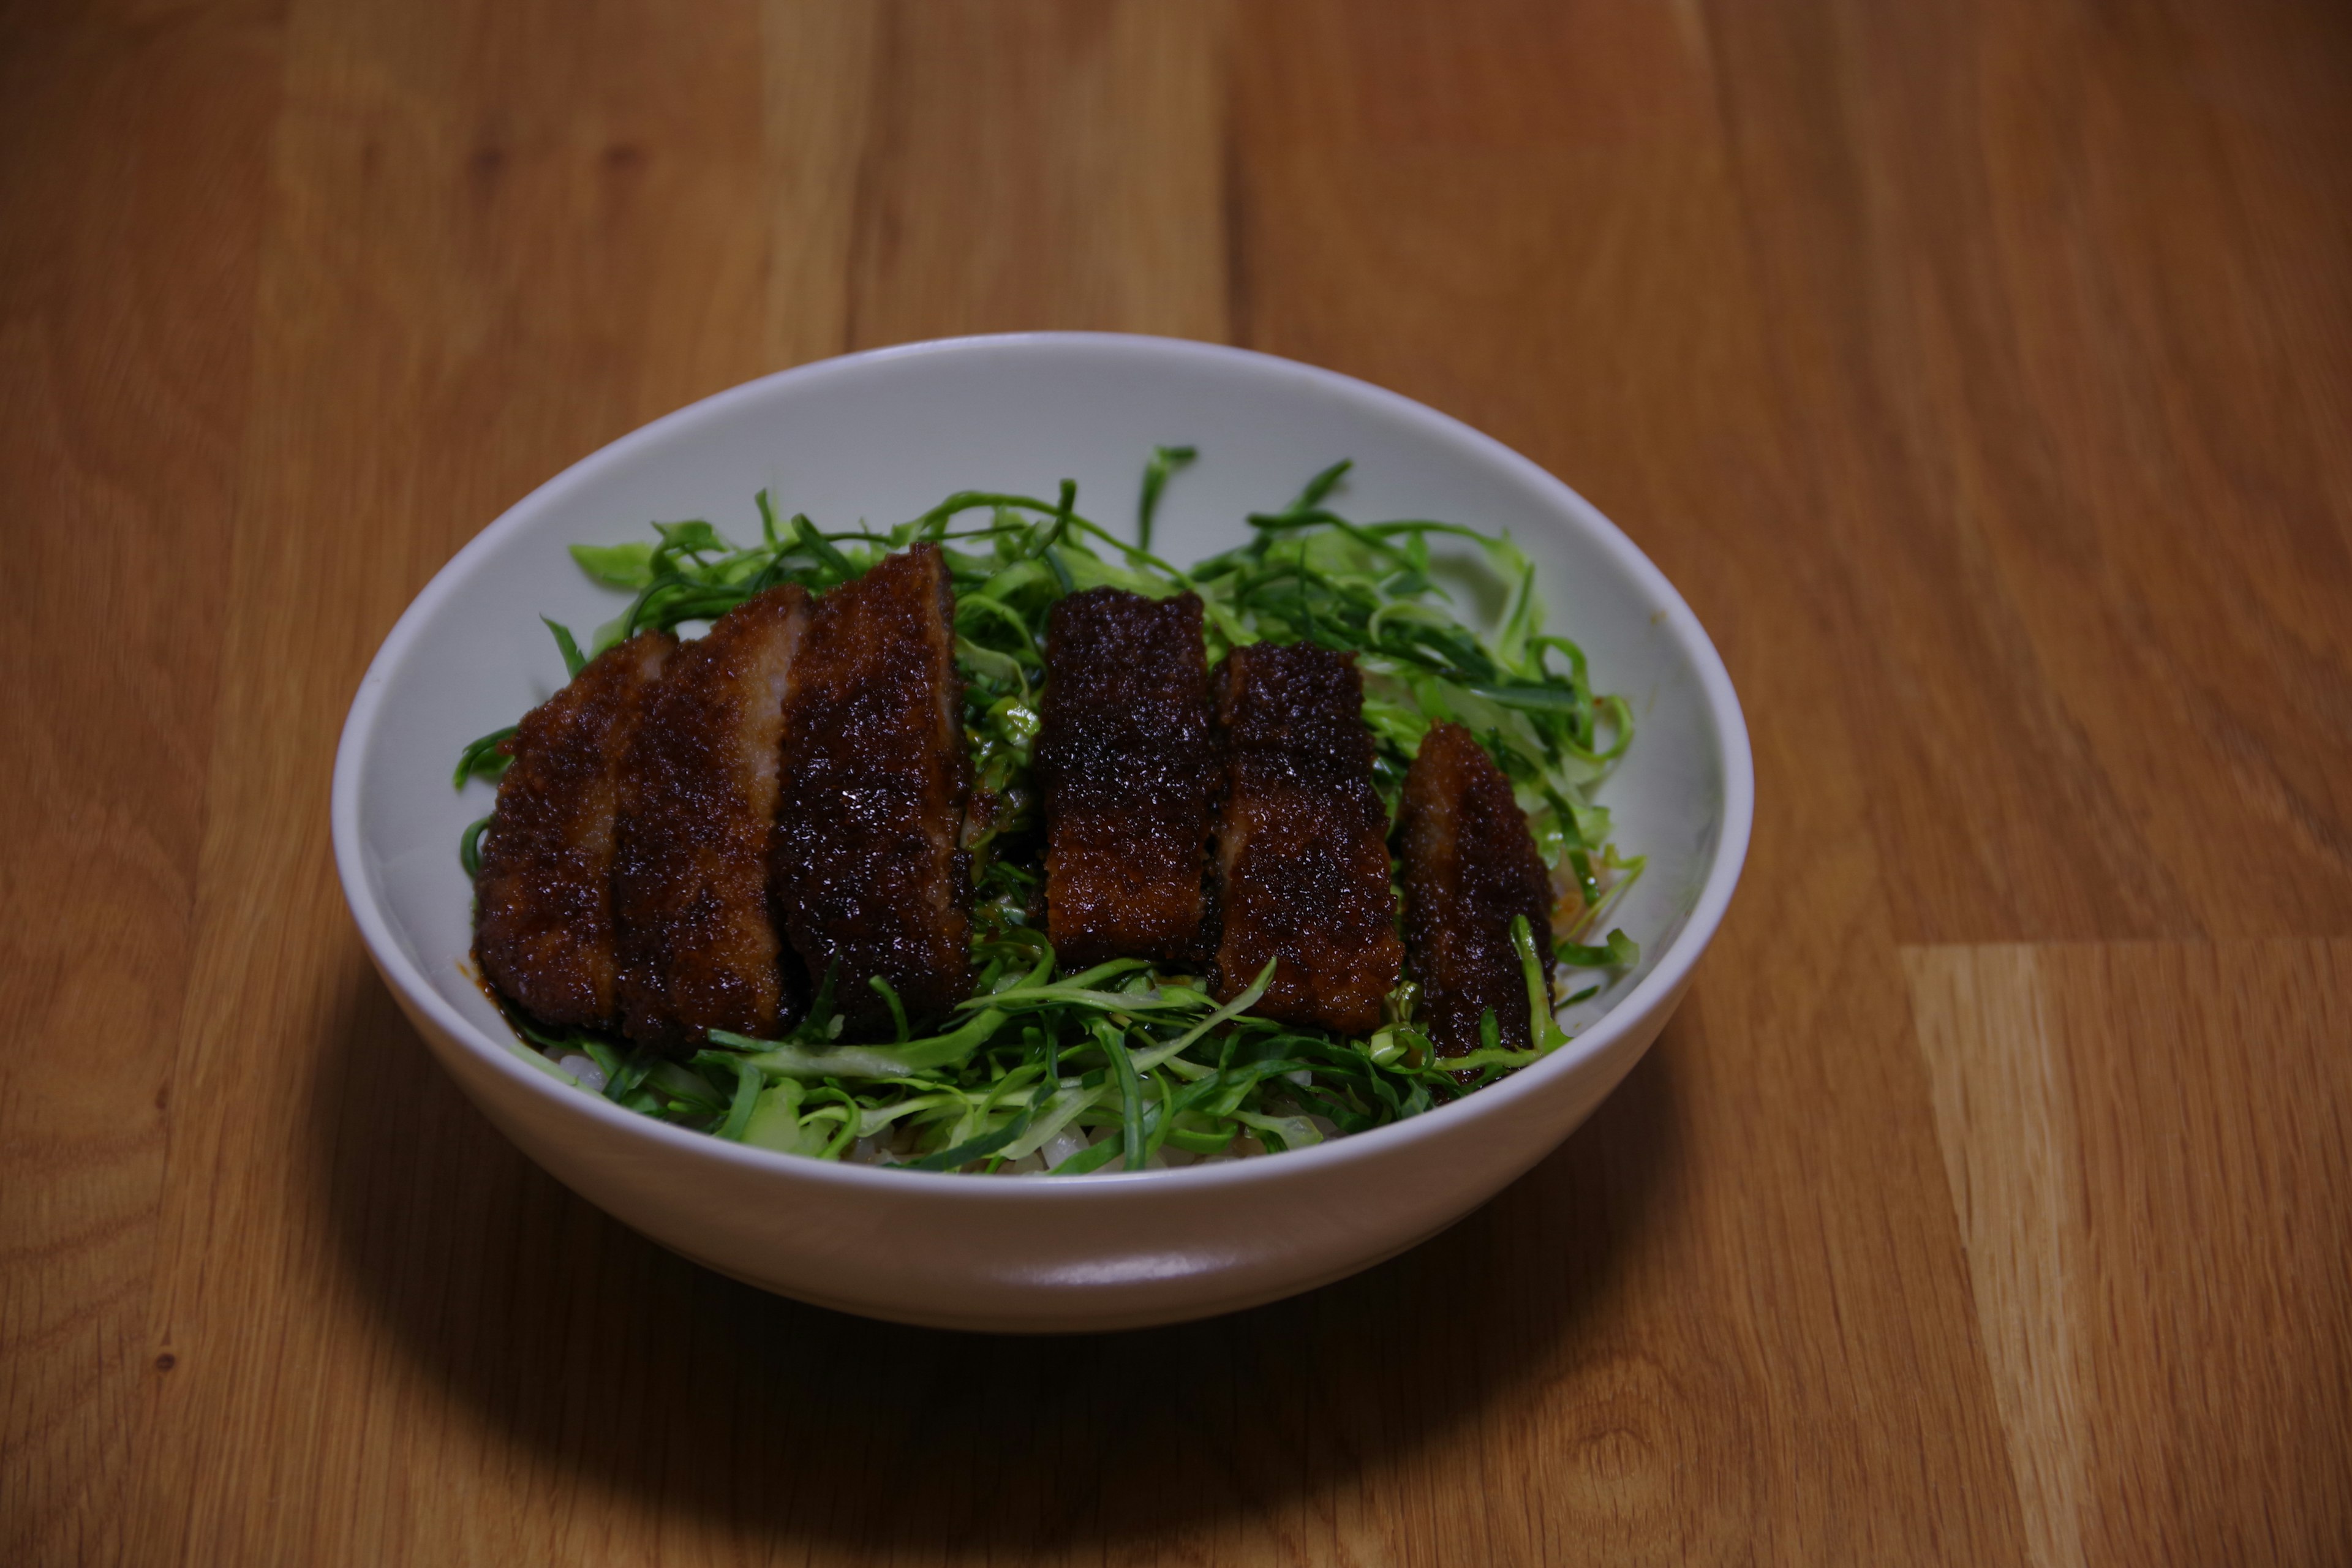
x=1470, y=866
x=870, y=877
x=1302, y=849
x=543, y=908
x=697, y=807
x=1128, y=766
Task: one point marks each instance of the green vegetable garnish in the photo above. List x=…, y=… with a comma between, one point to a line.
x=575, y=661
x=1136, y=1057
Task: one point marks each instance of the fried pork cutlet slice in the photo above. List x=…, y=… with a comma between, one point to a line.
x=697, y=806
x=868, y=875
x=1470, y=865
x=1128, y=769
x=1302, y=856
x=543, y=900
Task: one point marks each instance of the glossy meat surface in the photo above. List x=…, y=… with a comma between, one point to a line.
x=543, y=929
x=697, y=803
x=1470, y=865
x=1302, y=856
x=869, y=878
x=1129, y=771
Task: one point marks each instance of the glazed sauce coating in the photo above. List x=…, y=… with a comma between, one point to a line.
x=1302, y=852
x=869, y=878
x=543, y=929
x=1470, y=866
x=1128, y=767
x=697, y=804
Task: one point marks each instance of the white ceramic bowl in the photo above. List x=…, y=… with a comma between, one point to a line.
x=884, y=436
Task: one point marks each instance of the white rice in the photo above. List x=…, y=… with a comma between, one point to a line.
x=584, y=1068
x=1062, y=1145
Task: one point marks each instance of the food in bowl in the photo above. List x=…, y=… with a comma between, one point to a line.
x=994, y=842
x=885, y=433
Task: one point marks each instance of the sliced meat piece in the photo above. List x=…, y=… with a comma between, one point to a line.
x=1302, y=852
x=1128, y=769
x=869, y=878
x=1470, y=865
x=542, y=900
x=698, y=808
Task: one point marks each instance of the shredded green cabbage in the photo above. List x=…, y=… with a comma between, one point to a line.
x=1128, y=1059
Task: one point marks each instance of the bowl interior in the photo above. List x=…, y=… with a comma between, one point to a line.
x=883, y=438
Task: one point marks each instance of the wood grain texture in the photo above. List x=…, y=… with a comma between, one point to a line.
x=818, y=87
x=2109, y=1114
x=496, y=238
x=1980, y=373
x=1043, y=163
x=133, y=152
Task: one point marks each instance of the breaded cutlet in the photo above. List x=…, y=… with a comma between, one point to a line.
x=869, y=876
x=1302, y=853
x=544, y=930
x=698, y=948
x=1128, y=768
x=1470, y=866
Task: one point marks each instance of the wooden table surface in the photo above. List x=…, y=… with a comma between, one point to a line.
x=1983, y=373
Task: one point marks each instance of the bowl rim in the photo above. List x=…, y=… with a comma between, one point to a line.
x=1672, y=971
